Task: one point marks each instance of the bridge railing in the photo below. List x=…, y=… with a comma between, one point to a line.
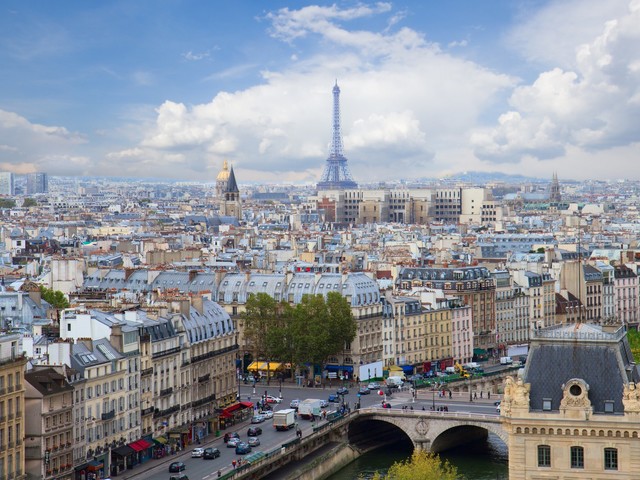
x=429, y=413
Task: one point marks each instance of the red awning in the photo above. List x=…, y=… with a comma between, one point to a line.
x=225, y=415
x=140, y=445
x=145, y=443
x=136, y=446
x=246, y=404
x=231, y=408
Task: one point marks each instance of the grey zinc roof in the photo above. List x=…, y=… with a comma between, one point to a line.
x=213, y=322
x=601, y=360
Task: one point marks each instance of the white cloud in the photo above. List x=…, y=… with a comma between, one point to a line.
x=588, y=107
x=194, y=57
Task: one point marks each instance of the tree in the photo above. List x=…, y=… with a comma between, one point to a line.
x=54, y=297
x=421, y=466
x=259, y=318
x=7, y=203
x=29, y=202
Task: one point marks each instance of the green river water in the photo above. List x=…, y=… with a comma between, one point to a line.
x=484, y=460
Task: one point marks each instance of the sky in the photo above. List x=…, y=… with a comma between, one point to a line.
x=170, y=89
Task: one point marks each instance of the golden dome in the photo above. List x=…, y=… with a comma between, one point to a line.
x=223, y=176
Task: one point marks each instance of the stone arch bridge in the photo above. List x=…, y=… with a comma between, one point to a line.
x=428, y=430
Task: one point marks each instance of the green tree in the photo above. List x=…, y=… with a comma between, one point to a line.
x=421, y=466
x=7, y=203
x=29, y=202
x=259, y=317
x=634, y=342
x=54, y=297
x=324, y=327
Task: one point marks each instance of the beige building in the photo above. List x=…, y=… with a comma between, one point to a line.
x=49, y=426
x=575, y=413
x=12, y=408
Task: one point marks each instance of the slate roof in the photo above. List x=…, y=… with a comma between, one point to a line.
x=603, y=360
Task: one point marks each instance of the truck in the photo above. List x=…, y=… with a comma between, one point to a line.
x=394, y=381
x=284, y=419
x=309, y=408
x=505, y=361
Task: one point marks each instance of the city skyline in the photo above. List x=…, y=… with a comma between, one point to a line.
x=133, y=90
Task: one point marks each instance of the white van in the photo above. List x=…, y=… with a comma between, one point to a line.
x=450, y=370
x=505, y=361
x=394, y=381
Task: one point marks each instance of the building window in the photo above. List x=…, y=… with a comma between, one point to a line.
x=611, y=459
x=577, y=457
x=608, y=406
x=546, y=404
x=544, y=456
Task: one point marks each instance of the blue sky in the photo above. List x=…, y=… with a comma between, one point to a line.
x=170, y=89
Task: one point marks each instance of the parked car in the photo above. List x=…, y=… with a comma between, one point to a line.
x=267, y=414
x=343, y=391
x=294, y=403
x=257, y=419
x=254, y=431
x=374, y=386
x=272, y=399
x=334, y=398
x=243, y=448
x=197, y=452
x=232, y=442
x=210, y=453
x=253, y=441
x=229, y=435
x=364, y=390
x=324, y=403
x=177, y=467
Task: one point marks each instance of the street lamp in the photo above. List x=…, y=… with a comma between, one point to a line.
x=470, y=395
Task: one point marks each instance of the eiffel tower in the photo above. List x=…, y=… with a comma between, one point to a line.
x=336, y=175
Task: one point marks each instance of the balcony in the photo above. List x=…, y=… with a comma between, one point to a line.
x=164, y=353
x=146, y=371
x=202, y=401
x=147, y=411
x=166, y=412
x=212, y=354
x=204, y=378
x=166, y=391
x=108, y=415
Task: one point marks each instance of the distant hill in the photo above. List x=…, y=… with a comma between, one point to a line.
x=485, y=177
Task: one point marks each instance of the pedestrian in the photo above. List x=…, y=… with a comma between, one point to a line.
x=489, y=395
x=450, y=394
x=233, y=462
x=480, y=393
x=475, y=395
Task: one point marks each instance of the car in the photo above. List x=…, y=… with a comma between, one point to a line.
x=210, y=453
x=257, y=419
x=498, y=409
x=233, y=442
x=243, y=448
x=343, y=391
x=324, y=404
x=267, y=414
x=333, y=397
x=229, y=435
x=254, y=431
x=181, y=476
x=272, y=399
x=373, y=386
x=294, y=403
x=177, y=467
x=364, y=391
x=254, y=441
x=197, y=452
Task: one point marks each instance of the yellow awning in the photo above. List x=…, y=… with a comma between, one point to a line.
x=264, y=366
x=395, y=368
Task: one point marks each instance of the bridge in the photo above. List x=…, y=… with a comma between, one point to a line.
x=345, y=438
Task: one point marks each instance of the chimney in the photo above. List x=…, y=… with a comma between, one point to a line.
x=197, y=303
x=87, y=342
x=127, y=273
x=115, y=339
x=192, y=275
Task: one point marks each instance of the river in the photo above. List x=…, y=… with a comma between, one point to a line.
x=484, y=460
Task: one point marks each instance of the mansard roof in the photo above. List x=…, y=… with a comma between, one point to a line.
x=560, y=353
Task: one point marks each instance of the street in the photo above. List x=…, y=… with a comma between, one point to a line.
x=200, y=469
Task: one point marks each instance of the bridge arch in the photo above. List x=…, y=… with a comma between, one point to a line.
x=433, y=431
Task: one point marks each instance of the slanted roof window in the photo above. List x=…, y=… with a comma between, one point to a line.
x=546, y=404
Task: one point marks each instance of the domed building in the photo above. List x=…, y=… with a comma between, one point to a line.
x=222, y=180
x=227, y=193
